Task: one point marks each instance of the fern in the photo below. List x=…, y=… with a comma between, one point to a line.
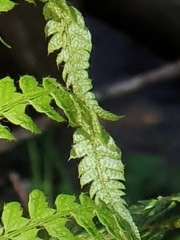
x=13, y=103
x=42, y=217
x=54, y=221
x=100, y=164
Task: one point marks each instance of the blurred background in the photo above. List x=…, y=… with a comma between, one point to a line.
x=135, y=69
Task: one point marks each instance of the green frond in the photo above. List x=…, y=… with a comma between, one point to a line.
x=69, y=35
x=100, y=164
x=13, y=104
x=101, y=167
x=54, y=221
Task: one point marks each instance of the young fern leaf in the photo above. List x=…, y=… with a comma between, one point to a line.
x=100, y=163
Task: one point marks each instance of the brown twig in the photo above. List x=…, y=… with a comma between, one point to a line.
x=135, y=83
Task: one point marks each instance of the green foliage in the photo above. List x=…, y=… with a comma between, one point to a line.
x=103, y=215
x=13, y=103
x=100, y=164
x=156, y=218
x=54, y=221
x=6, y=5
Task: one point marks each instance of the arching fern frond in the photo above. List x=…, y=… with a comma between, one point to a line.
x=100, y=164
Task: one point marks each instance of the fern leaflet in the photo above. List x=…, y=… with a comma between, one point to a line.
x=6, y=5
x=13, y=104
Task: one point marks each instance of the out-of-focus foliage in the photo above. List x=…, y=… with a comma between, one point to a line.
x=140, y=180
x=157, y=218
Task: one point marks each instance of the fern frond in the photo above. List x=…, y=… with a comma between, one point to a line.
x=13, y=103
x=54, y=220
x=100, y=164
x=69, y=35
x=101, y=167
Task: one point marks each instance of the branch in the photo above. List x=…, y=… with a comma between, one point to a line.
x=135, y=83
